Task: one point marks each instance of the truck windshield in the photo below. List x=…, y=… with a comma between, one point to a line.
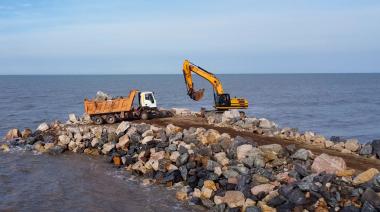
x=149, y=97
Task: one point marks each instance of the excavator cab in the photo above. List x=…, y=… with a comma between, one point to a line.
x=222, y=100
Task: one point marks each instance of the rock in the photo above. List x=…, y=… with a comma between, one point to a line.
x=123, y=141
x=365, y=176
x=181, y=111
x=48, y=146
x=259, y=179
x=366, y=150
x=271, y=148
x=153, y=161
x=91, y=151
x=231, y=115
x=222, y=158
x=148, y=133
x=329, y=164
x=329, y=143
x=63, y=140
x=371, y=197
x=107, y=147
x=338, y=146
x=265, y=124
x=172, y=130
x=5, y=147
x=122, y=128
x=39, y=147
x=211, y=165
x=56, y=150
x=345, y=173
x=230, y=173
x=73, y=118
x=266, y=188
x=233, y=199
x=13, y=133
x=206, y=192
x=319, y=141
x=95, y=142
x=209, y=137
x=376, y=147
x=26, y=133
x=43, y=127
x=181, y=196
x=174, y=156
x=352, y=145
x=146, y=139
x=302, y=154
x=209, y=184
x=116, y=160
x=243, y=151
x=250, y=156
x=346, y=151
x=297, y=197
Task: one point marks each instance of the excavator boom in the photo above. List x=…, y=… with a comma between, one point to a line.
x=222, y=100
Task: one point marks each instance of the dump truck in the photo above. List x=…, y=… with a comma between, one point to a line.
x=122, y=108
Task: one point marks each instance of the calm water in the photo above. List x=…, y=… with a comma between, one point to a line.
x=71, y=182
x=332, y=104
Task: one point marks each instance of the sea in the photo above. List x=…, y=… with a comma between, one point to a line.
x=345, y=105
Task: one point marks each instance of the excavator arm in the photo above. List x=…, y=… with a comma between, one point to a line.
x=196, y=95
x=222, y=100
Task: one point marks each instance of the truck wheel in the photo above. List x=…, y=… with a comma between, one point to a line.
x=110, y=119
x=144, y=116
x=97, y=120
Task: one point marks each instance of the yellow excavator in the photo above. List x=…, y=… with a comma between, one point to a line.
x=222, y=100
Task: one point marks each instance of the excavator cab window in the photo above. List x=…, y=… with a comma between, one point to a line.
x=223, y=100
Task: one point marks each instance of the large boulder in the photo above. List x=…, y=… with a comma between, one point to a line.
x=376, y=147
x=250, y=155
x=266, y=188
x=209, y=137
x=172, y=130
x=108, y=147
x=329, y=164
x=302, y=154
x=63, y=140
x=123, y=126
x=13, y=133
x=72, y=118
x=366, y=149
x=352, y=145
x=266, y=124
x=123, y=141
x=233, y=199
x=231, y=116
x=43, y=127
x=365, y=176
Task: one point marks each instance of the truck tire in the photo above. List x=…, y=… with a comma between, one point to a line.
x=144, y=116
x=97, y=120
x=110, y=119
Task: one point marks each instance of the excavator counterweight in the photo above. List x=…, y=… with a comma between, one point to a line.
x=222, y=100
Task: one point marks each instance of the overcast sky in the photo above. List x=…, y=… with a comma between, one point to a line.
x=133, y=37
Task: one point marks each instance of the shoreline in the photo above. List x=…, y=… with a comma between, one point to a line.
x=223, y=161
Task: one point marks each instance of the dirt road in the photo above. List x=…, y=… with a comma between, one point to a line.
x=354, y=162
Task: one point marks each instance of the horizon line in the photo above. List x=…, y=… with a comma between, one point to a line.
x=274, y=73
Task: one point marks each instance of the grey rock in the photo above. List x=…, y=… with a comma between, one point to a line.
x=366, y=150
x=371, y=197
x=301, y=154
x=182, y=159
x=376, y=147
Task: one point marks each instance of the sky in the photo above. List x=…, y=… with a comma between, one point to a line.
x=154, y=37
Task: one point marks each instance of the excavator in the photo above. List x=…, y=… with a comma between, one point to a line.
x=222, y=100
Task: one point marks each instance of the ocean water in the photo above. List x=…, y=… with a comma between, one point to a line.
x=346, y=105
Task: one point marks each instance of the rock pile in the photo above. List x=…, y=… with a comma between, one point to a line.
x=237, y=121
x=213, y=169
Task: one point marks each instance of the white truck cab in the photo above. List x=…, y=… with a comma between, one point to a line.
x=147, y=99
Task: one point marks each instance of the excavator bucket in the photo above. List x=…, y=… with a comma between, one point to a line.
x=197, y=95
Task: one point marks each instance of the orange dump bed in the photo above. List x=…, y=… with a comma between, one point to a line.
x=123, y=104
